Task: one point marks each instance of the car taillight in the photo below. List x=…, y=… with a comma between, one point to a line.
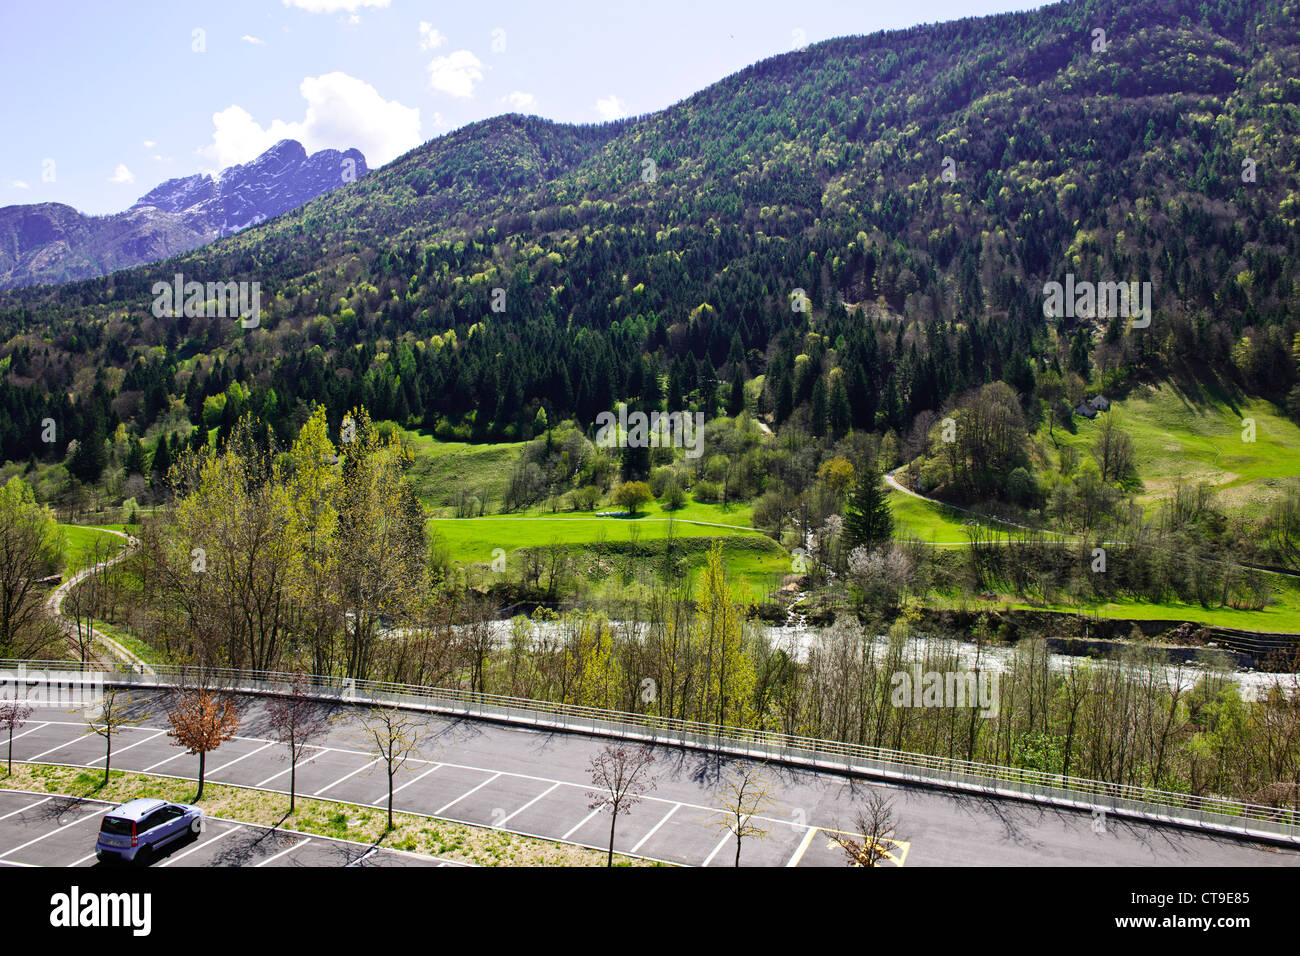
x=135, y=841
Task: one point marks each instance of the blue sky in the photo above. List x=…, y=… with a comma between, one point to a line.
x=106, y=100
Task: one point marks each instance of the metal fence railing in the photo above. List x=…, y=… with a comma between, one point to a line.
x=1183, y=809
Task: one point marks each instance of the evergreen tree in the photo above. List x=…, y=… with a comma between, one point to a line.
x=840, y=414
x=135, y=462
x=819, y=407
x=867, y=519
x=736, y=399
x=162, y=456
x=87, y=462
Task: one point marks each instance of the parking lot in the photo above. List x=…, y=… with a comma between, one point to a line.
x=451, y=783
x=40, y=830
x=536, y=782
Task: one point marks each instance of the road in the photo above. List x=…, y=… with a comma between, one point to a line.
x=536, y=782
x=54, y=605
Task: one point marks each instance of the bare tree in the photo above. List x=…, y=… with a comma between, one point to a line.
x=12, y=716
x=1113, y=451
x=202, y=720
x=108, y=719
x=296, y=721
x=396, y=735
x=745, y=793
x=621, y=778
x=877, y=828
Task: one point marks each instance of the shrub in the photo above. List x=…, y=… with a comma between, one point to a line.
x=707, y=492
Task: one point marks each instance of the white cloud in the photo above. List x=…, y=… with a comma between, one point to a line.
x=333, y=6
x=162, y=159
x=430, y=37
x=18, y=184
x=520, y=101
x=439, y=122
x=342, y=111
x=121, y=175
x=611, y=108
x=256, y=41
x=456, y=74
x=149, y=144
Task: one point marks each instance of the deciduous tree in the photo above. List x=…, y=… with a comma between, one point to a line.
x=202, y=720
x=621, y=776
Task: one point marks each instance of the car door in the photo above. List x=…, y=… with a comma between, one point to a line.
x=151, y=828
x=173, y=821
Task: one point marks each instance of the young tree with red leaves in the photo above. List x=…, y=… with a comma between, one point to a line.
x=296, y=721
x=622, y=777
x=202, y=720
x=12, y=716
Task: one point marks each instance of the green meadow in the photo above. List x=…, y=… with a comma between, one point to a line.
x=81, y=542
x=1199, y=434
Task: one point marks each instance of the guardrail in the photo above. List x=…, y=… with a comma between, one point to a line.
x=1162, y=806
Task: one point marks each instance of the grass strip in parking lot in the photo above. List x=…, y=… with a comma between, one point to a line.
x=481, y=846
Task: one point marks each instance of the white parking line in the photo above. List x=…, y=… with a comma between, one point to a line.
x=721, y=843
x=30, y=730
x=581, y=823
x=345, y=777
x=168, y=760
x=200, y=845
x=122, y=750
x=655, y=829
x=66, y=743
x=506, y=819
x=440, y=810
x=363, y=857
x=803, y=847
x=301, y=764
x=272, y=859
x=237, y=759
x=25, y=809
x=398, y=790
x=65, y=826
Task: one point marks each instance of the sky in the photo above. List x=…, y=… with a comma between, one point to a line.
x=106, y=100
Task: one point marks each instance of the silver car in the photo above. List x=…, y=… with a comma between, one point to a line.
x=138, y=829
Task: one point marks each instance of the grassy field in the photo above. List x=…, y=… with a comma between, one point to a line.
x=1280, y=617
x=442, y=468
x=932, y=523
x=604, y=547
x=1198, y=434
x=82, y=541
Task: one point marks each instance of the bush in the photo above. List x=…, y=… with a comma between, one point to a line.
x=659, y=479
x=673, y=497
x=707, y=492
x=585, y=498
x=632, y=495
x=1021, y=489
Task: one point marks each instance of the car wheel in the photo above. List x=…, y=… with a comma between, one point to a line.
x=197, y=826
x=144, y=856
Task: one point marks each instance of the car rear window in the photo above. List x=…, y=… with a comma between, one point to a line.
x=115, y=826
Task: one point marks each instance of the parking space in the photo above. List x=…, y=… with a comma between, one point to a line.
x=37, y=830
x=495, y=798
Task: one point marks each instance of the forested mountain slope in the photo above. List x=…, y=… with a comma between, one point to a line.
x=658, y=257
